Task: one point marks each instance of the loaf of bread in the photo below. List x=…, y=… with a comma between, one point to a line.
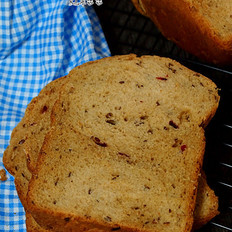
x=126, y=131
x=202, y=27
x=35, y=125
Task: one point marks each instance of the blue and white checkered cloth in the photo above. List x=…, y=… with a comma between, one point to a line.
x=40, y=41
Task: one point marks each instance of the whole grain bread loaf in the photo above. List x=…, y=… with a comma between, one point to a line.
x=201, y=27
x=114, y=119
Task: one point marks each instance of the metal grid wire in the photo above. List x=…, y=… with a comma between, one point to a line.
x=129, y=32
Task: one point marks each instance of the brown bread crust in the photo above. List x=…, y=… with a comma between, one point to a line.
x=138, y=5
x=32, y=225
x=181, y=22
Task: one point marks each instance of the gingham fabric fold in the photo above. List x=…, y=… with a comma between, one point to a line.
x=39, y=41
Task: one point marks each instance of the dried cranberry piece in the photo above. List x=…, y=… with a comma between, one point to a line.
x=44, y=109
x=123, y=154
x=161, y=78
x=183, y=148
x=171, y=123
x=98, y=141
x=22, y=141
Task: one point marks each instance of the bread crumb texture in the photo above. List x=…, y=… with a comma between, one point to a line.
x=125, y=148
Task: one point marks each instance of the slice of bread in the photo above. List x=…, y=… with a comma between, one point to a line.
x=114, y=119
x=86, y=186
x=204, y=212
x=206, y=208
x=40, y=119
x=33, y=126
x=201, y=27
x=36, y=116
x=34, y=123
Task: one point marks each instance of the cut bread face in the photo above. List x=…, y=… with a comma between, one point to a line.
x=131, y=118
x=206, y=208
x=115, y=190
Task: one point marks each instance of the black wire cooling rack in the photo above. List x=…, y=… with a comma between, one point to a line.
x=126, y=32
